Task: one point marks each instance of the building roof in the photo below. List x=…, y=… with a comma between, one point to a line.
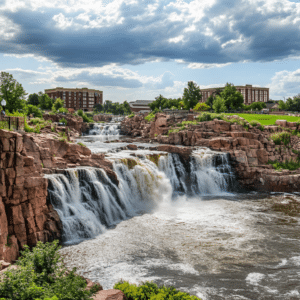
x=73, y=89
x=141, y=102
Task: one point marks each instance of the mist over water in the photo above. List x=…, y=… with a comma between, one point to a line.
x=175, y=222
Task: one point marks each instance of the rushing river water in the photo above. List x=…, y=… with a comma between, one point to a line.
x=177, y=223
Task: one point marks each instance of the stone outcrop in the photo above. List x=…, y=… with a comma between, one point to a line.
x=109, y=295
x=25, y=215
x=102, y=118
x=249, y=150
x=75, y=122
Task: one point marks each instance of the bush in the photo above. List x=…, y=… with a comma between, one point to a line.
x=219, y=105
x=63, y=120
x=254, y=123
x=84, y=116
x=131, y=116
x=284, y=137
x=34, y=110
x=201, y=107
x=150, y=290
x=287, y=165
x=150, y=117
x=41, y=275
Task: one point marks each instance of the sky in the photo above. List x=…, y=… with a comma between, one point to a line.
x=139, y=49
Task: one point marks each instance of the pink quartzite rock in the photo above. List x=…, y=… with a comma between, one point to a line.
x=110, y=295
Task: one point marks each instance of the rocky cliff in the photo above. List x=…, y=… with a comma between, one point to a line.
x=250, y=149
x=25, y=215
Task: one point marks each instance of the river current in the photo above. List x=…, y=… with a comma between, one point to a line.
x=176, y=223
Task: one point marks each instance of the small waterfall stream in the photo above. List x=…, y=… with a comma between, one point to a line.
x=104, y=129
x=88, y=202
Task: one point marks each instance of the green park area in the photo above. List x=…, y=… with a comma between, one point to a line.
x=266, y=119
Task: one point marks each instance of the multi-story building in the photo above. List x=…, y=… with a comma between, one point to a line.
x=140, y=105
x=251, y=94
x=76, y=98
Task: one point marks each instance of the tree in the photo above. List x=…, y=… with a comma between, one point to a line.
x=98, y=107
x=12, y=92
x=58, y=104
x=210, y=101
x=219, y=105
x=191, y=95
x=201, y=107
x=45, y=101
x=293, y=104
x=34, y=110
x=33, y=99
x=258, y=105
x=233, y=99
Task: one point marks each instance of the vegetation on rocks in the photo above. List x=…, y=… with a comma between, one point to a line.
x=84, y=116
x=150, y=291
x=41, y=274
x=281, y=137
x=150, y=117
x=287, y=165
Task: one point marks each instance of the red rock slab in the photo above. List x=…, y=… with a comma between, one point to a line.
x=109, y=295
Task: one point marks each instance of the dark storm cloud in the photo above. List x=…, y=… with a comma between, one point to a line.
x=230, y=31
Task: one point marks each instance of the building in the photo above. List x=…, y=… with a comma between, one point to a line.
x=140, y=105
x=251, y=94
x=76, y=98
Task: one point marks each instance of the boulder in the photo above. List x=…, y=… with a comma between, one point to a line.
x=109, y=295
x=282, y=123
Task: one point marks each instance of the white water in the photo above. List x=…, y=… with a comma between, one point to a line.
x=105, y=129
x=88, y=202
x=177, y=224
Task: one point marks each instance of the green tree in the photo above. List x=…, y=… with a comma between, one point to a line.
x=98, y=107
x=33, y=99
x=45, y=101
x=191, y=95
x=293, y=104
x=233, y=99
x=219, y=105
x=33, y=110
x=12, y=92
x=59, y=103
x=258, y=105
x=282, y=105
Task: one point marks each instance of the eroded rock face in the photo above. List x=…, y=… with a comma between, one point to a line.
x=25, y=215
x=249, y=150
x=109, y=295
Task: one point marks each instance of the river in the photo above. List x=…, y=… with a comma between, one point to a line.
x=176, y=223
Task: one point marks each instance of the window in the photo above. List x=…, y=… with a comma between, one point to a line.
x=96, y=94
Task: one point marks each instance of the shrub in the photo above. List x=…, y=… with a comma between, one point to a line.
x=201, y=107
x=150, y=117
x=42, y=275
x=254, y=123
x=34, y=110
x=63, y=120
x=287, y=165
x=151, y=291
x=131, y=116
x=284, y=137
x=85, y=118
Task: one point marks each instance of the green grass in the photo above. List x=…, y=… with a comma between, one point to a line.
x=287, y=165
x=266, y=119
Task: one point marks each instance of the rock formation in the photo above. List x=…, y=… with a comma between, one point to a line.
x=25, y=215
x=249, y=150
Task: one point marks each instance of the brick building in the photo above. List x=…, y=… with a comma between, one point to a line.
x=251, y=94
x=140, y=105
x=76, y=98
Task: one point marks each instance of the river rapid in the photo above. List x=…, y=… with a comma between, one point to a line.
x=176, y=223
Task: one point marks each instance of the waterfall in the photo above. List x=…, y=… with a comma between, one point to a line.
x=88, y=202
x=105, y=129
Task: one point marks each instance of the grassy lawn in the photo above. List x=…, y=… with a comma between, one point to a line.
x=266, y=119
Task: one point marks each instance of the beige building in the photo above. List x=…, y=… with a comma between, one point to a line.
x=76, y=98
x=251, y=94
x=140, y=105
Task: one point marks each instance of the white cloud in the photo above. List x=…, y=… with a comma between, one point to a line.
x=285, y=84
x=206, y=66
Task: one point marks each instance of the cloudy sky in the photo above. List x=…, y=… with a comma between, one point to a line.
x=138, y=49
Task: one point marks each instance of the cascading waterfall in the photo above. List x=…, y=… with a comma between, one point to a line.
x=105, y=129
x=88, y=202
